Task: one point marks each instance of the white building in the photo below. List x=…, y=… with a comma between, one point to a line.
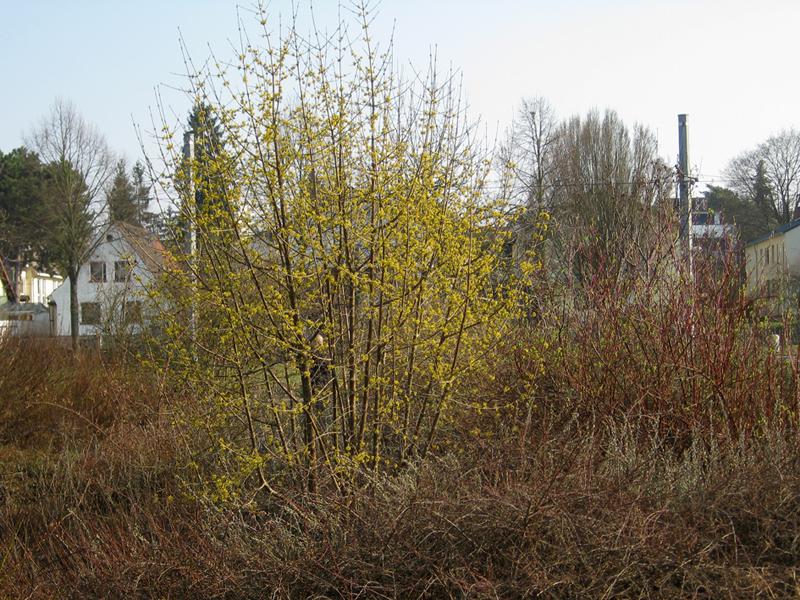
x=112, y=282
x=25, y=319
x=33, y=285
x=28, y=315
x=37, y=286
x=708, y=226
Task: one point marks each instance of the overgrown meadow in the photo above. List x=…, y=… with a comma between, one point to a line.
x=371, y=375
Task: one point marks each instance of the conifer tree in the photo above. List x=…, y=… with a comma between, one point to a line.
x=122, y=203
x=762, y=192
x=141, y=191
x=23, y=218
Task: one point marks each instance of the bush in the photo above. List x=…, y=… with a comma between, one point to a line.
x=686, y=348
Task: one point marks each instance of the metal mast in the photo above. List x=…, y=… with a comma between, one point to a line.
x=189, y=234
x=685, y=186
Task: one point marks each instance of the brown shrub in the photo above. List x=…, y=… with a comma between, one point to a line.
x=587, y=516
x=638, y=439
x=684, y=347
x=48, y=393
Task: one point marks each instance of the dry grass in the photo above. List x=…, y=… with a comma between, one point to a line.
x=582, y=515
x=619, y=462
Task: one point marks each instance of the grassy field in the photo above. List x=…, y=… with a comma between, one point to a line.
x=552, y=501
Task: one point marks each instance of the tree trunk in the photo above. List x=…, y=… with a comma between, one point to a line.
x=73, y=308
x=308, y=421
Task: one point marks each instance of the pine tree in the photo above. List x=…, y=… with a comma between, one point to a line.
x=23, y=217
x=122, y=201
x=208, y=146
x=762, y=193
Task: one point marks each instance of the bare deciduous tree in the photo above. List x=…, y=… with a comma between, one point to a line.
x=592, y=173
x=80, y=164
x=526, y=164
x=607, y=178
x=528, y=152
x=778, y=159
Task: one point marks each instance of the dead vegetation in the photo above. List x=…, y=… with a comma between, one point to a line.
x=616, y=462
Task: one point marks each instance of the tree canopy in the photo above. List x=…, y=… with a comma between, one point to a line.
x=769, y=175
x=79, y=166
x=23, y=216
x=750, y=218
x=596, y=177
x=122, y=205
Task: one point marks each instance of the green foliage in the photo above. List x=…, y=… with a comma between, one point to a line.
x=752, y=218
x=769, y=175
x=122, y=205
x=128, y=196
x=72, y=217
x=209, y=193
x=23, y=218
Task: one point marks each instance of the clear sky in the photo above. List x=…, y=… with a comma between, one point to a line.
x=732, y=65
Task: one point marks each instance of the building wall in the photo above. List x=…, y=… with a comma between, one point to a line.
x=38, y=286
x=109, y=294
x=792, y=252
x=773, y=270
x=766, y=263
x=37, y=326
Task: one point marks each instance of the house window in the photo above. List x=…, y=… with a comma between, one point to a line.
x=122, y=270
x=97, y=272
x=133, y=311
x=90, y=313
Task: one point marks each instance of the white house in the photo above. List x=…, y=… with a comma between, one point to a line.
x=37, y=286
x=112, y=282
x=32, y=285
x=25, y=319
x=773, y=267
x=28, y=315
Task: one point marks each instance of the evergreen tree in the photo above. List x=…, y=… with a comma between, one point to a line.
x=208, y=147
x=752, y=218
x=23, y=218
x=770, y=172
x=141, y=191
x=762, y=193
x=122, y=201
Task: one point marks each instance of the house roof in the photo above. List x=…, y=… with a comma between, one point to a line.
x=145, y=244
x=778, y=231
x=21, y=308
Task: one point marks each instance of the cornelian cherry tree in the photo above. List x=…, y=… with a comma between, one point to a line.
x=348, y=272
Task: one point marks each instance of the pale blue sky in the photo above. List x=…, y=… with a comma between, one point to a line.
x=730, y=64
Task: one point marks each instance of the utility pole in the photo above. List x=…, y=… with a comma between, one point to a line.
x=189, y=234
x=685, y=188
x=189, y=237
